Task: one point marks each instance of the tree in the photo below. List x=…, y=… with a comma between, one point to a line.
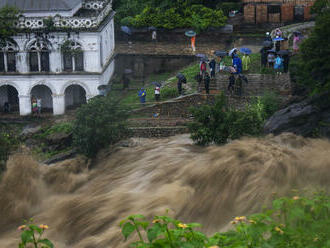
x=313, y=65
x=99, y=123
x=8, y=17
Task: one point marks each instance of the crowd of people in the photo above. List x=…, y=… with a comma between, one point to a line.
x=274, y=53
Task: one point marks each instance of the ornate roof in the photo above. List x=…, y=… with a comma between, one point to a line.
x=42, y=5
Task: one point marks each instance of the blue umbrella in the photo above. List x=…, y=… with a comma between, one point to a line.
x=126, y=30
x=220, y=53
x=190, y=33
x=245, y=50
x=278, y=39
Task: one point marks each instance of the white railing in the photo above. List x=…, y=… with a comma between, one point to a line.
x=69, y=22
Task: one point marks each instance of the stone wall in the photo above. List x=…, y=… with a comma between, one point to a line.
x=259, y=83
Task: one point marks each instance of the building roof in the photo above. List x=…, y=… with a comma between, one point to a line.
x=42, y=5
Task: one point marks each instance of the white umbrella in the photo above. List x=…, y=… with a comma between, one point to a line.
x=232, y=50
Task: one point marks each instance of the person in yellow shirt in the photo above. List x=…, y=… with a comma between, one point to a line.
x=246, y=62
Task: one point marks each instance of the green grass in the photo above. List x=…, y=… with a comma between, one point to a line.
x=130, y=98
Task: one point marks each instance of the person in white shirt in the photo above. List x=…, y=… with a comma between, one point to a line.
x=157, y=93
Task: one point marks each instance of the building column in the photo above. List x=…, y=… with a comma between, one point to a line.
x=24, y=105
x=58, y=104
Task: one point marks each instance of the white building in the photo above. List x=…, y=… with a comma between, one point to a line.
x=63, y=54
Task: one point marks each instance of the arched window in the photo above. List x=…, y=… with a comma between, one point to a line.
x=39, y=56
x=73, y=56
x=8, y=52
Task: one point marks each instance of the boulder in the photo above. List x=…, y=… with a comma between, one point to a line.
x=59, y=141
x=61, y=157
x=30, y=130
x=307, y=118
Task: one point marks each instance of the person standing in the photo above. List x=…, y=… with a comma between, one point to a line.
x=203, y=69
x=231, y=84
x=278, y=64
x=212, y=65
x=157, y=93
x=246, y=62
x=142, y=94
x=193, y=42
x=34, y=106
x=263, y=57
x=237, y=64
x=154, y=36
x=286, y=60
x=296, y=40
x=207, y=83
x=271, y=59
x=39, y=105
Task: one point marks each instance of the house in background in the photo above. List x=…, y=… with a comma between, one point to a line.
x=62, y=54
x=276, y=11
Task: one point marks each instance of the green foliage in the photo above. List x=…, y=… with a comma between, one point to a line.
x=8, y=16
x=319, y=6
x=98, y=123
x=5, y=147
x=297, y=222
x=163, y=232
x=312, y=66
x=217, y=123
x=226, y=7
x=32, y=236
x=168, y=92
x=270, y=102
x=171, y=14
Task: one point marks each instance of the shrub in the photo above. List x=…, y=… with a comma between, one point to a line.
x=226, y=7
x=270, y=103
x=217, y=123
x=291, y=222
x=32, y=236
x=99, y=123
x=168, y=92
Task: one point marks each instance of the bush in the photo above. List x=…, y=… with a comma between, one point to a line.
x=168, y=92
x=5, y=147
x=99, y=123
x=226, y=7
x=291, y=222
x=217, y=123
x=270, y=102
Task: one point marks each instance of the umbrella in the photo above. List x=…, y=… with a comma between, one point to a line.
x=152, y=28
x=190, y=33
x=267, y=43
x=220, y=53
x=278, y=39
x=245, y=50
x=271, y=51
x=128, y=71
x=157, y=84
x=126, y=30
x=200, y=55
x=283, y=52
x=232, y=50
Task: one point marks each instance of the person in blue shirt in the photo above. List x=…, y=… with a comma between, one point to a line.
x=237, y=64
x=142, y=94
x=278, y=64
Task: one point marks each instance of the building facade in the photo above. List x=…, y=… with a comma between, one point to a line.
x=62, y=54
x=276, y=11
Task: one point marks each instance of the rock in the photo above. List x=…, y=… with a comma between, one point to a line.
x=307, y=118
x=30, y=130
x=60, y=157
x=59, y=141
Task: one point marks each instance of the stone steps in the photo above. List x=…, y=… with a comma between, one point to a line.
x=158, y=122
